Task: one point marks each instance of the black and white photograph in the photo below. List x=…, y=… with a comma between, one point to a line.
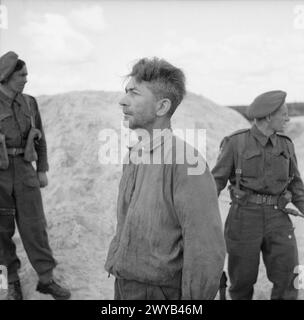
x=151, y=150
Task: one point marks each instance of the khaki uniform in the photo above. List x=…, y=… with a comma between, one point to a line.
x=268, y=164
x=20, y=197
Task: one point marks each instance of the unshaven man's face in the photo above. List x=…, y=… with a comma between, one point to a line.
x=279, y=119
x=139, y=105
x=17, y=80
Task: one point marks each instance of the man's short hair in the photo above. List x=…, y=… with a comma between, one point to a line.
x=166, y=81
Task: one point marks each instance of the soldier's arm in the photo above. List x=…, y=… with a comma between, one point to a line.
x=196, y=206
x=296, y=187
x=224, y=167
x=40, y=146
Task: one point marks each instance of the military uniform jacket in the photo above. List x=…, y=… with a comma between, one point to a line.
x=15, y=124
x=267, y=164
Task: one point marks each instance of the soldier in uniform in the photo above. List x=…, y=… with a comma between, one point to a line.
x=22, y=141
x=261, y=165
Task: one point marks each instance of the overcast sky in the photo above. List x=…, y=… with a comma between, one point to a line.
x=230, y=51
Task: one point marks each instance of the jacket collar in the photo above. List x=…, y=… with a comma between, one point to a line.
x=5, y=98
x=262, y=138
x=147, y=145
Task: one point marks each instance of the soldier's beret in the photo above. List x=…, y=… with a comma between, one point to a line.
x=266, y=103
x=7, y=64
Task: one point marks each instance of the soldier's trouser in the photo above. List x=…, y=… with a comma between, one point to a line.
x=134, y=290
x=20, y=201
x=252, y=229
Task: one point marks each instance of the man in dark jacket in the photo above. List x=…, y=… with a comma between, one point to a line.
x=169, y=242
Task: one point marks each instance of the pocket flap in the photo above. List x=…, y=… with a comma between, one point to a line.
x=248, y=154
x=281, y=153
x=31, y=182
x=4, y=116
x=26, y=113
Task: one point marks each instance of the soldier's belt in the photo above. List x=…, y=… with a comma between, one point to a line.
x=7, y=212
x=263, y=199
x=15, y=151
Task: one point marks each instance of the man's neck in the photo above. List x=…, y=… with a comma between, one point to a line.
x=263, y=127
x=9, y=93
x=161, y=125
x=149, y=134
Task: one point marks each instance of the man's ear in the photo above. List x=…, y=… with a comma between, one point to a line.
x=163, y=107
x=268, y=118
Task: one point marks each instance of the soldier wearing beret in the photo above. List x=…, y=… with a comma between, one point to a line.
x=22, y=142
x=261, y=165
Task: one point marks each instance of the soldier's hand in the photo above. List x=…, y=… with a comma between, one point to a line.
x=43, y=180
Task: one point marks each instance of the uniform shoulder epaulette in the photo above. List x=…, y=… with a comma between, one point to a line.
x=238, y=132
x=31, y=99
x=25, y=94
x=235, y=133
x=284, y=136
x=31, y=103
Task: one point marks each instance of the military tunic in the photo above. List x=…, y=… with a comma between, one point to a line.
x=20, y=197
x=268, y=164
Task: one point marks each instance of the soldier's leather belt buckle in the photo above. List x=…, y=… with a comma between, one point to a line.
x=15, y=151
x=263, y=199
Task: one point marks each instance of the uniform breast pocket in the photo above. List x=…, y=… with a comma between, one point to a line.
x=280, y=163
x=5, y=123
x=24, y=119
x=251, y=163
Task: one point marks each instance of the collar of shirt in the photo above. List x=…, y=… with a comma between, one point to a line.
x=158, y=139
x=17, y=98
x=4, y=97
x=260, y=136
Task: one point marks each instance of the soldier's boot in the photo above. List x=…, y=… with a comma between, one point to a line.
x=54, y=289
x=14, y=291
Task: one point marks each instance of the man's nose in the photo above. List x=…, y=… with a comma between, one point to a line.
x=124, y=101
